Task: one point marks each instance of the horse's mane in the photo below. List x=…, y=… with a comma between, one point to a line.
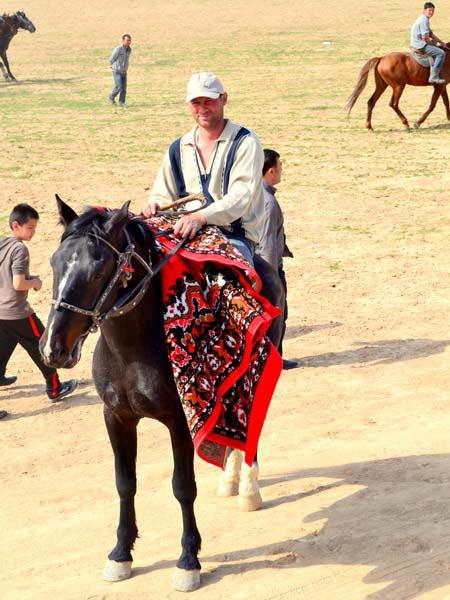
x=93, y=220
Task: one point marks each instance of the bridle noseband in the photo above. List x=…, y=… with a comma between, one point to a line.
x=132, y=298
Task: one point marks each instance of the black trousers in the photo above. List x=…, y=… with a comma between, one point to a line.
x=26, y=333
x=282, y=275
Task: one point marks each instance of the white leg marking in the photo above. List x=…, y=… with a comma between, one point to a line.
x=249, y=495
x=229, y=479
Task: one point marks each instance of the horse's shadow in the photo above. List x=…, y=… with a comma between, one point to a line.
x=53, y=80
x=436, y=127
x=377, y=352
x=293, y=331
x=79, y=398
x=396, y=521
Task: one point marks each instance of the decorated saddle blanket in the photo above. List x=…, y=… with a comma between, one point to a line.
x=215, y=320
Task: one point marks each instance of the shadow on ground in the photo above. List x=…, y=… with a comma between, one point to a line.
x=83, y=396
x=64, y=80
x=297, y=330
x=397, y=522
x=378, y=353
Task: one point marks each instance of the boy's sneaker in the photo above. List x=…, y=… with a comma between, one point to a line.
x=289, y=364
x=111, y=101
x=123, y=104
x=8, y=380
x=65, y=388
x=3, y=414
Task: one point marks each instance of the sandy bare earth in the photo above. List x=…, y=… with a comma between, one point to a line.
x=355, y=452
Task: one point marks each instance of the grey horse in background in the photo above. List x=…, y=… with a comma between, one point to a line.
x=9, y=26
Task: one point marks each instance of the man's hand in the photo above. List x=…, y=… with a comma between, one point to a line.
x=149, y=209
x=188, y=225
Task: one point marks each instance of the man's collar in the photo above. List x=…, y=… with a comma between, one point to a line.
x=269, y=188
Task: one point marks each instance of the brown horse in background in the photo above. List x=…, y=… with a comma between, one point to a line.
x=398, y=69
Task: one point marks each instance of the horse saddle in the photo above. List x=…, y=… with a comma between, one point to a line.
x=423, y=59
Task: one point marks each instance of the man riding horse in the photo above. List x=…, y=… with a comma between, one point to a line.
x=423, y=39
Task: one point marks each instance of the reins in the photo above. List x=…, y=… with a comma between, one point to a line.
x=132, y=298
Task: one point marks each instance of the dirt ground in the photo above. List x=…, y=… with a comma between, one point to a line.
x=355, y=452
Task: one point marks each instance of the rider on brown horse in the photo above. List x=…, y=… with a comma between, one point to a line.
x=423, y=39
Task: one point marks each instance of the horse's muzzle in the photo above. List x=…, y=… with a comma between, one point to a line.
x=57, y=356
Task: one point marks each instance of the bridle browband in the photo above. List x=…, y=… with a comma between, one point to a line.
x=132, y=298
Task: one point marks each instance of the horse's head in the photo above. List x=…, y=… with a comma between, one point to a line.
x=24, y=22
x=90, y=270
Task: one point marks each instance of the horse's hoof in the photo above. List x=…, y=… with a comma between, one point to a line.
x=416, y=125
x=117, y=571
x=186, y=581
x=250, y=503
x=225, y=489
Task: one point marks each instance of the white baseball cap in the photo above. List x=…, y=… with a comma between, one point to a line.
x=204, y=84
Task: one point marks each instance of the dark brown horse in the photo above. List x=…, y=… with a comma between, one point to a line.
x=397, y=70
x=9, y=26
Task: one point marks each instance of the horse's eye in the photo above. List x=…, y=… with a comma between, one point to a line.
x=98, y=276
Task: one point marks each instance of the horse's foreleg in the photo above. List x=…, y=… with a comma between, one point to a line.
x=8, y=73
x=123, y=438
x=434, y=98
x=381, y=85
x=187, y=573
x=394, y=104
x=3, y=70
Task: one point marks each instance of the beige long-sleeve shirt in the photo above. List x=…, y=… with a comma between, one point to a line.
x=245, y=198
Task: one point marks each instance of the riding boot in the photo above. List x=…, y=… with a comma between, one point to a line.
x=434, y=76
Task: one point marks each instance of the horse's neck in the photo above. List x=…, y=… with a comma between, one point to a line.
x=8, y=26
x=139, y=327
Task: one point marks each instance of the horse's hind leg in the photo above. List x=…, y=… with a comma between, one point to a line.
x=187, y=573
x=123, y=438
x=445, y=101
x=394, y=104
x=381, y=85
x=229, y=479
x=434, y=98
x=249, y=494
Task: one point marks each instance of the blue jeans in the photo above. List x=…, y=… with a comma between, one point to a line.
x=120, y=86
x=245, y=247
x=437, y=53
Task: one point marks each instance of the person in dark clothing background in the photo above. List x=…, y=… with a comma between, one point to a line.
x=272, y=246
x=119, y=61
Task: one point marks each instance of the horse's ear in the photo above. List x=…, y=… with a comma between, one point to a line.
x=118, y=220
x=66, y=214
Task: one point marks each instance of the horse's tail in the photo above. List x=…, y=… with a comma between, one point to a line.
x=372, y=62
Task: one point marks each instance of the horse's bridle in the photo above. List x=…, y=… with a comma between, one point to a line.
x=134, y=296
